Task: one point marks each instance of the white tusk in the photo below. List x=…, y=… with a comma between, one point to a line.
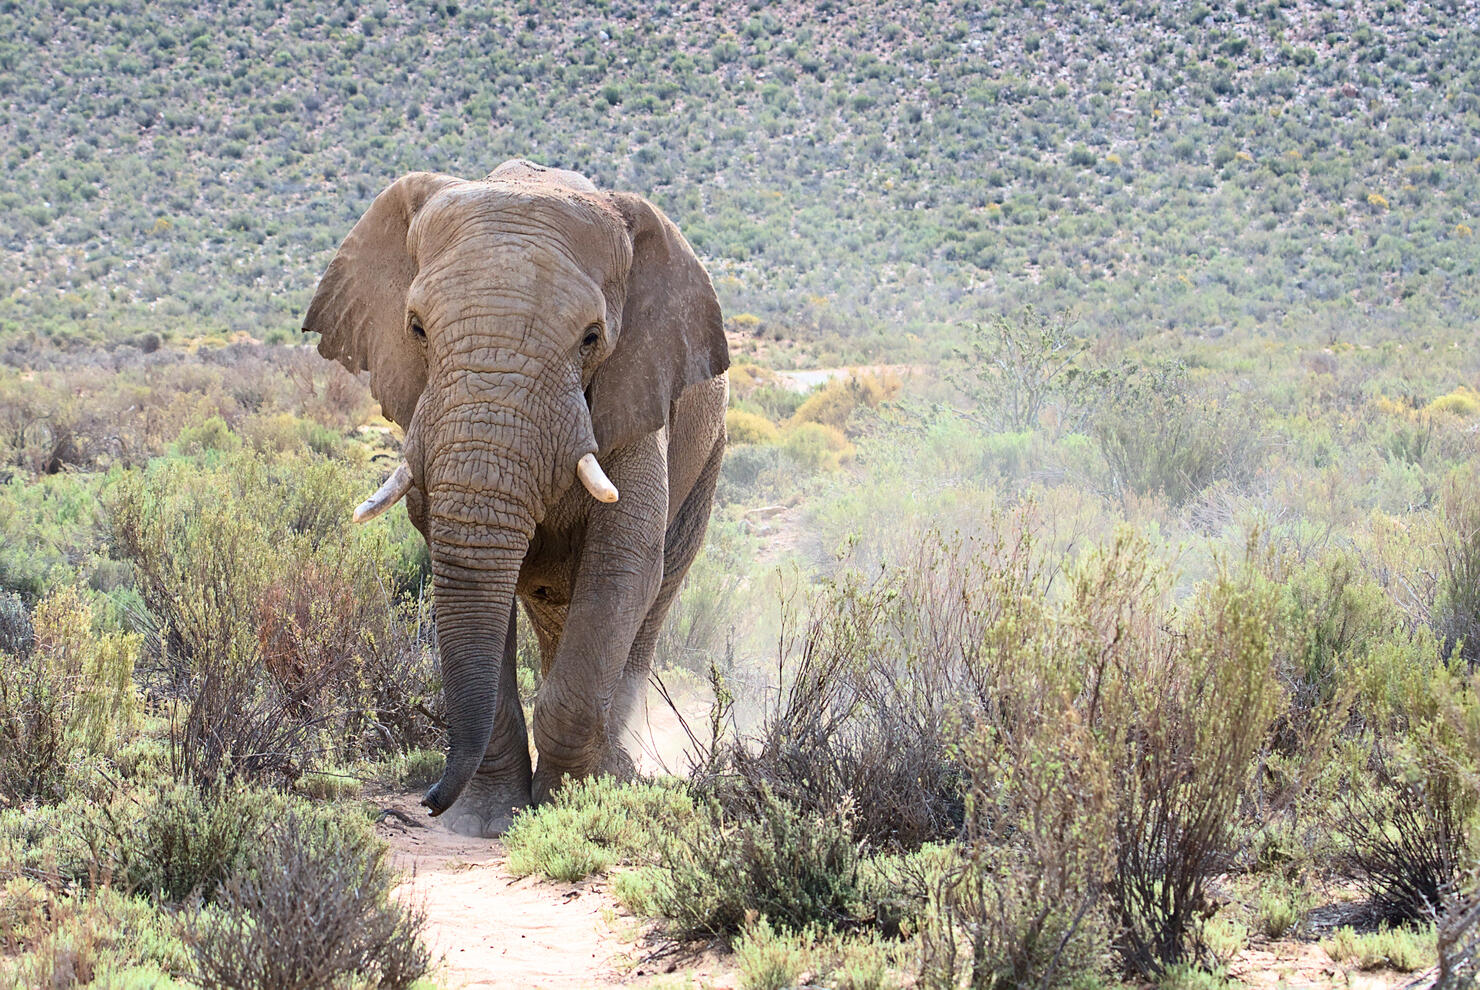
x=595, y=479
x=398, y=484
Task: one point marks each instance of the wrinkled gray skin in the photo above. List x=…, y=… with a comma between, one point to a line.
x=510, y=326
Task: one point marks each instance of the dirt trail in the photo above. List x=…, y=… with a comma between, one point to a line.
x=492, y=931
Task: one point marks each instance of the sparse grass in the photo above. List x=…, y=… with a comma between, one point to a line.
x=1404, y=949
x=770, y=960
x=1280, y=908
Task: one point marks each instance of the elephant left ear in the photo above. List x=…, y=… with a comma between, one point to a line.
x=672, y=334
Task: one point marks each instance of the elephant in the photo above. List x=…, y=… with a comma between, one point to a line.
x=527, y=331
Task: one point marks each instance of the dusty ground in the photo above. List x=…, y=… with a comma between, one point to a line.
x=494, y=931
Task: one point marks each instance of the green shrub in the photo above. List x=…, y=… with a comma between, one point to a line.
x=1457, y=608
x=795, y=869
x=102, y=938
x=420, y=768
x=175, y=841
x=1019, y=368
x=1158, y=436
x=594, y=824
x=1281, y=908
x=1189, y=718
x=1410, y=789
x=210, y=435
x=769, y=960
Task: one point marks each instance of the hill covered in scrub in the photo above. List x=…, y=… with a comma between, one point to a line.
x=857, y=176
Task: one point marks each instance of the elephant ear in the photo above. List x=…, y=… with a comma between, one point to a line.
x=672, y=333
x=359, y=309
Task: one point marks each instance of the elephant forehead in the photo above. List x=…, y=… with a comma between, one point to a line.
x=567, y=222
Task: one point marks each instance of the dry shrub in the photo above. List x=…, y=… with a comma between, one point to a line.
x=835, y=403
x=310, y=908
x=1190, y=711
x=279, y=632
x=1090, y=750
x=877, y=681
x=69, y=691
x=1402, y=837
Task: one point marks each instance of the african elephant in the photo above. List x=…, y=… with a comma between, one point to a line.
x=527, y=330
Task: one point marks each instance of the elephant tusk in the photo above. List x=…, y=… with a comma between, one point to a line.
x=397, y=485
x=595, y=479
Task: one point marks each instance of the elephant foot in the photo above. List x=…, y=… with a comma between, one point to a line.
x=546, y=784
x=618, y=763
x=486, y=810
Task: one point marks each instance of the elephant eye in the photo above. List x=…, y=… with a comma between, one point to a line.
x=592, y=338
x=417, y=328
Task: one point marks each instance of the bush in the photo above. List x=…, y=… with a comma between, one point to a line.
x=1458, y=606
x=1189, y=714
x=1459, y=938
x=70, y=692
x=768, y=960
x=873, y=689
x=1018, y=368
x=309, y=907
x=794, y=868
x=748, y=427
x=279, y=625
x=594, y=824
x=1157, y=436
x=103, y=938
x=835, y=403
x=172, y=841
x=1025, y=906
x=1411, y=795
x=816, y=447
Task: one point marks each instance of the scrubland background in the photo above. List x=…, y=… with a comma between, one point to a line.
x=1112, y=608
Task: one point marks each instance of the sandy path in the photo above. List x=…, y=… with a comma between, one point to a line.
x=494, y=931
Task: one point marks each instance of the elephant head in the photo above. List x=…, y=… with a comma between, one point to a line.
x=518, y=328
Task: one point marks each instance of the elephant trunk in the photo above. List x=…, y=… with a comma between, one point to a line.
x=496, y=463
x=474, y=601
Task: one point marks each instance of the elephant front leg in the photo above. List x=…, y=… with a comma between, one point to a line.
x=617, y=580
x=501, y=786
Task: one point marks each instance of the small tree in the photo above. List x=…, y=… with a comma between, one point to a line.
x=1018, y=367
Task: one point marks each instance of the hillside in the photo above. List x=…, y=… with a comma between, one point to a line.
x=853, y=175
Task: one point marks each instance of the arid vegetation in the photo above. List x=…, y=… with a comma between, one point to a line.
x=1127, y=619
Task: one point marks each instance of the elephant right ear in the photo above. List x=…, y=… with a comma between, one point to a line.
x=359, y=309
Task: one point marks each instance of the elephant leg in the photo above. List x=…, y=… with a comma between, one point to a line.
x=502, y=784
x=617, y=579
x=682, y=543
